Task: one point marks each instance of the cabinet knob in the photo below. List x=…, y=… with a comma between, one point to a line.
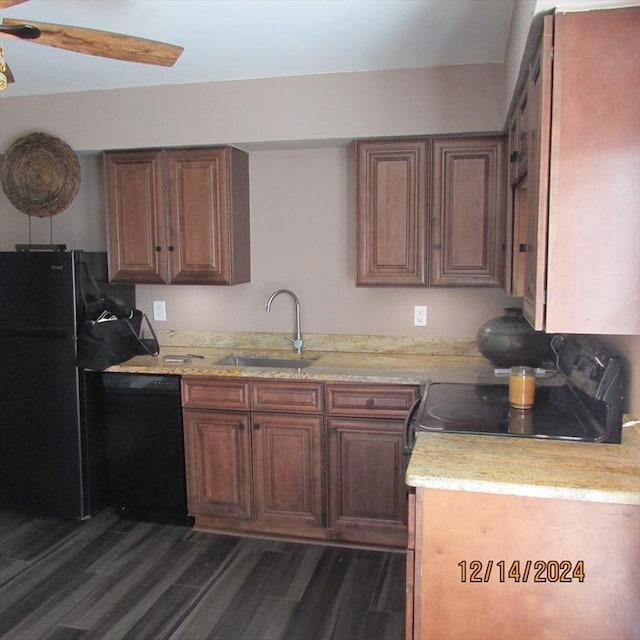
x=256, y=426
x=170, y=247
x=514, y=157
x=370, y=403
x=523, y=248
x=158, y=248
x=241, y=426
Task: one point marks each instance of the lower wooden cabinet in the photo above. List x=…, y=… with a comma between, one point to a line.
x=287, y=465
x=367, y=497
x=501, y=566
x=367, y=500
x=272, y=457
x=218, y=459
x=254, y=471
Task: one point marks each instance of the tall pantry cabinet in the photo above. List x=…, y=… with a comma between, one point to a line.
x=574, y=223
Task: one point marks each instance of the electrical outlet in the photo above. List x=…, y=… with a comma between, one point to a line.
x=159, y=311
x=419, y=316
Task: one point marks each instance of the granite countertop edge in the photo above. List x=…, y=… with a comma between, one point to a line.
x=581, y=471
x=329, y=366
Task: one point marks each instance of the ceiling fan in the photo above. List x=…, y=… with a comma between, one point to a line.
x=104, y=44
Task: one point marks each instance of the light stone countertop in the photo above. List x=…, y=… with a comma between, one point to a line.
x=516, y=466
x=367, y=359
x=327, y=366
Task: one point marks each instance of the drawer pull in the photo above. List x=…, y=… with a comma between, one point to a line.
x=370, y=403
x=241, y=426
x=256, y=426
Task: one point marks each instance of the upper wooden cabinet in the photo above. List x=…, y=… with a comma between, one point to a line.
x=575, y=213
x=431, y=211
x=392, y=212
x=467, y=224
x=178, y=216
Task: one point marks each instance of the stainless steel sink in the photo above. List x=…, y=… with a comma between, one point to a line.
x=265, y=361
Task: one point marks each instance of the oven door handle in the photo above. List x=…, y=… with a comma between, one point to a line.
x=408, y=421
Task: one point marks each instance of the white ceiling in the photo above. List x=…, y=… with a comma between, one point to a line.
x=240, y=39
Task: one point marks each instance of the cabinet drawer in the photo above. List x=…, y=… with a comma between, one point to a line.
x=209, y=393
x=299, y=397
x=384, y=401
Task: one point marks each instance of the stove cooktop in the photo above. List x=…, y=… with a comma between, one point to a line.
x=586, y=408
x=484, y=408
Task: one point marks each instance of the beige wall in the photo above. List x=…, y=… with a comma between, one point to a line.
x=302, y=200
x=302, y=194
x=332, y=106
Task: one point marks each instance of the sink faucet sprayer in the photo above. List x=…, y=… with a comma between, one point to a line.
x=297, y=342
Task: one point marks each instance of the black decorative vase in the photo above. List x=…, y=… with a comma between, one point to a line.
x=509, y=340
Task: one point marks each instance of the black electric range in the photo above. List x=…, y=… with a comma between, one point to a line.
x=587, y=407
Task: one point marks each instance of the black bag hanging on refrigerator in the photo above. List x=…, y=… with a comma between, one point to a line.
x=108, y=333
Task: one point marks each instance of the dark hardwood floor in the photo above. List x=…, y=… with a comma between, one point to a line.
x=111, y=578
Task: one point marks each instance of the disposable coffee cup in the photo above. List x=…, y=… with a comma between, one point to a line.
x=522, y=387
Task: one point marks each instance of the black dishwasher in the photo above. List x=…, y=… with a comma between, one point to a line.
x=145, y=446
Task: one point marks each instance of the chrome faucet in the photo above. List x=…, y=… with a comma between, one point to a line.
x=297, y=341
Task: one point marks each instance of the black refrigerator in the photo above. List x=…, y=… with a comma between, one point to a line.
x=52, y=450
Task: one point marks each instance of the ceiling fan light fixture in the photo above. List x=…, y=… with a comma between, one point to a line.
x=4, y=81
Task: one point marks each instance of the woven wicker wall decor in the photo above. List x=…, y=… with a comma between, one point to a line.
x=40, y=174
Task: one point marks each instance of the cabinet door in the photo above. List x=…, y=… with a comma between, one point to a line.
x=367, y=495
x=136, y=230
x=537, y=190
x=203, y=215
x=287, y=459
x=593, y=260
x=218, y=463
x=392, y=212
x=468, y=212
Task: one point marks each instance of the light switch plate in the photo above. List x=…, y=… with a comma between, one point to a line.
x=420, y=316
x=159, y=311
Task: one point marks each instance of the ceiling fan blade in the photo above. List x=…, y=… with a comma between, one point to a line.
x=5, y=4
x=104, y=44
